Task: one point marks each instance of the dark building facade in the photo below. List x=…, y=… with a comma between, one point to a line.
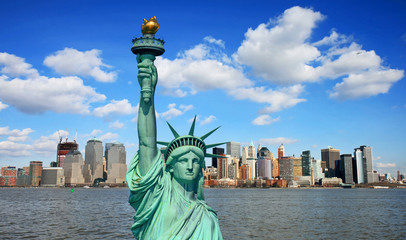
x=346, y=168
x=306, y=163
x=330, y=155
x=217, y=151
x=286, y=168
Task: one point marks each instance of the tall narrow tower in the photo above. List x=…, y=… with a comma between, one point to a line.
x=281, y=151
x=93, y=160
x=251, y=150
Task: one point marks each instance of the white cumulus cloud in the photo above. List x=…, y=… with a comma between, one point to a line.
x=116, y=125
x=31, y=93
x=173, y=111
x=9, y=148
x=366, y=84
x=279, y=99
x=112, y=137
x=115, y=107
x=208, y=120
x=264, y=120
x=16, y=135
x=281, y=53
x=70, y=61
x=3, y=106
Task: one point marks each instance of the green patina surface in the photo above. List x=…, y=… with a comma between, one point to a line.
x=167, y=194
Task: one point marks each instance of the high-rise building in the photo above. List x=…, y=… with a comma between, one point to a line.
x=245, y=172
x=244, y=155
x=251, y=150
x=330, y=155
x=297, y=168
x=63, y=149
x=74, y=169
x=306, y=163
x=216, y=151
x=264, y=168
x=316, y=170
x=358, y=166
x=275, y=168
x=35, y=173
x=281, y=151
x=345, y=166
x=253, y=165
x=116, y=163
x=363, y=162
x=221, y=164
x=94, y=160
x=264, y=162
x=233, y=149
x=286, y=168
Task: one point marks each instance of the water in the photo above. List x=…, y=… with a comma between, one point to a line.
x=52, y=213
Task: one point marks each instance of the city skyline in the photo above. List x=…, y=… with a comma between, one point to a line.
x=306, y=74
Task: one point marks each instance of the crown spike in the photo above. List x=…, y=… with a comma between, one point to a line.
x=214, y=145
x=209, y=133
x=192, y=128
x=175, y=134
x=163, y=143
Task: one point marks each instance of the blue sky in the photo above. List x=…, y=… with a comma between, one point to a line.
x=309, y=74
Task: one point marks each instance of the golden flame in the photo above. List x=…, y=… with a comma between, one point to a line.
x=150, y=27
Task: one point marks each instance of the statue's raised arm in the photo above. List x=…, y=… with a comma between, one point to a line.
x=147, y=78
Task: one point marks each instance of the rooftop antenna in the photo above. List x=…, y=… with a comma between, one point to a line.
x=76, y=135
x=60, y=138
x=67, y=134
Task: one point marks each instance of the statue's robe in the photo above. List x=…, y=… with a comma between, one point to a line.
x=162, y=212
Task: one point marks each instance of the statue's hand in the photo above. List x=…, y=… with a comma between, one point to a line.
x=154, y=76
x=147, y=78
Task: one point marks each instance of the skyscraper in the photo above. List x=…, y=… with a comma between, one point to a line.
x=116, y=163
x=251, y=150
x=74, y=168
x=317, y=170
x=306, y=163
x=363, y=162
x=93, y=160
x=346, y=168
x=216, y=151
x=281, y=151
x=330, y=155
x=234, y=149
x=264, y=162
x=297, y=168
x=286, y=168
x=244, y=155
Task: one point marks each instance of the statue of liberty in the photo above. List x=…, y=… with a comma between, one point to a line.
x=166, y=187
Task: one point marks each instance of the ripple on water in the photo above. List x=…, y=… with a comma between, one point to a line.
x=53, y=213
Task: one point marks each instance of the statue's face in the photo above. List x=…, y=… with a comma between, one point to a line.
x=186, y=164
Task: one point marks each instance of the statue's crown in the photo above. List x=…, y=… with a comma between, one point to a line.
x=189, y=140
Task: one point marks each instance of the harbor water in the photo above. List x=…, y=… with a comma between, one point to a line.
x=96, y=213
